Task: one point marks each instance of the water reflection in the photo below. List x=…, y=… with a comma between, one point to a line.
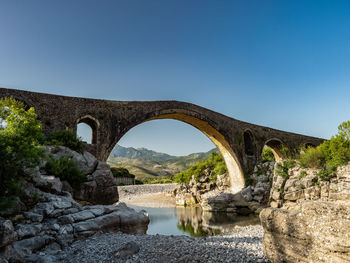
x=193, y=221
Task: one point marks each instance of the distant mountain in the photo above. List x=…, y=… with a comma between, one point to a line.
x=147, y=164
x=140, y=153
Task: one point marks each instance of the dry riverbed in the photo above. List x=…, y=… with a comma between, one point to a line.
x=243, y=244
x=150, y=200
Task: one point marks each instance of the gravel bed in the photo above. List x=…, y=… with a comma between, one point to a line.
x=241, y=245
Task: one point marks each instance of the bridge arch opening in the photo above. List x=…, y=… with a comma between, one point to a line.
x=232, y=162
x=249, y=146
x=87, y=129
x=276, y=146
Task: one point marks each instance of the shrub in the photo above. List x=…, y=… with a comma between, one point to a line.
x=20, y=136
x=302, y=175
x=267, y=155
x=312, y=158
x=215, y=163
x=283, y=167
x=330, y=154
x=159, y=181
x=121, y=172
x=66, y=170
x=66, y=138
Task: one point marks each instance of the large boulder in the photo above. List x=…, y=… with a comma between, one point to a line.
x=86, y=161
x=101, y=187
x=48, y=183
x=310, y=231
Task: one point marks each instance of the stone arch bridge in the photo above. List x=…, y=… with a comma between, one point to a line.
x=240, y=143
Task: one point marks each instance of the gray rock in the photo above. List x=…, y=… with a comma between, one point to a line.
x=53, y=248
x=48, y=183
x=28, y=230
x=34, y=217
x=44, y=209
x=30, y=245
x=82, y=215
x=86, y=162
x=7, y=232
x=34, y=258
x=10, y=254
x=18, y=207
x=101, y=190
x=247, y=193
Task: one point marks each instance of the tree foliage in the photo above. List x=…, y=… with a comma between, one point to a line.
x=20, y=136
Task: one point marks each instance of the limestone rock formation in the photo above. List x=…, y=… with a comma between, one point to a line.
x=311, y=231
x=217, y=196
x=305, y=184
x=58, y=220
x=312, y=223
x=100, y=187
x=46, y=218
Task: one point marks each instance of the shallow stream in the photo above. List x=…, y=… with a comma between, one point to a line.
x=192, y=221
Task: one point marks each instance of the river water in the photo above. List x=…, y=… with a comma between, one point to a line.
x=192, y=221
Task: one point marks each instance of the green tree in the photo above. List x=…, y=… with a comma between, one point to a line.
x=267, y=155
x=344, y=130
x=20, y=136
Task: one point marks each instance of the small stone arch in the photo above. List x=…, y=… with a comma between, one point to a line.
x=93, y=123
x=249, y=144
x=309, y=145
x=276, y=146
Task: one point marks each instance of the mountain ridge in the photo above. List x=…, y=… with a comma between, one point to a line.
x=147, y=164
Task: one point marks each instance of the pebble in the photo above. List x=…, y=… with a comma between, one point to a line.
x=243, y=244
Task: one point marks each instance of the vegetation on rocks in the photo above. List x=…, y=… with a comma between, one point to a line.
x=121, y=172
x=267, y=155
x=66, y=169
x=21, y=148
x=20, y=136
x=215, y=163
x=65, y=138
x=330, y=154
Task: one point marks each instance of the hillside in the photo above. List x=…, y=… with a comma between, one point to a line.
x=147, y=164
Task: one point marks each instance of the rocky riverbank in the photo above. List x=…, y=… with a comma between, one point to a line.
x=241, y=245
x=45, y=217
x=217, y=195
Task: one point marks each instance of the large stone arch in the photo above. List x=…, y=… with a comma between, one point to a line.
x=194, y=119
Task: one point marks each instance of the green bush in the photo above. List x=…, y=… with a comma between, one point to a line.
x=215, y=164
x=283, y=167
x=66, y=138
x=164, y=180
x=267, y=155
x=66, y=170
x=20, y=136
x=330, y=154
x=302, y=175
x=121, y=172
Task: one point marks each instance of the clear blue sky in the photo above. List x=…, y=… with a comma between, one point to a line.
x=282, y=64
